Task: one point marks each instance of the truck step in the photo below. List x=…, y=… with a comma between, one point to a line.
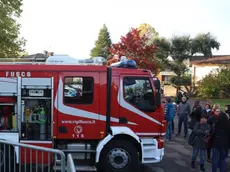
x=85, y=168
x=149, y=147
x=78, y=151
x=147, y=141
x=81, y=162
x=78, y=168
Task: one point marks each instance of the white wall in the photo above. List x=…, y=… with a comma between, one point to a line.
x=201, y=71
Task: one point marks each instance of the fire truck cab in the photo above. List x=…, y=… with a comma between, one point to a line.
x=107, y=117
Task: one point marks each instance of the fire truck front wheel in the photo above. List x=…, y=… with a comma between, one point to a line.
x=119, y=156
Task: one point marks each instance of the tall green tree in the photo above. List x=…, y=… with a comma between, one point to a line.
x=11, y=43
x=184, y=48
x=103, y=44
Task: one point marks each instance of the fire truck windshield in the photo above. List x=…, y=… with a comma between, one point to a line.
x=139, y=93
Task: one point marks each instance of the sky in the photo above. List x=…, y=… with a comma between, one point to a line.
x=72, y=26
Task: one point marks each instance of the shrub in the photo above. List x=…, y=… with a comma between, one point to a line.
x=215, y=84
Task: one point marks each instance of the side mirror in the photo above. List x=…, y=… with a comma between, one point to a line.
x=157, y=83
x=158, y=98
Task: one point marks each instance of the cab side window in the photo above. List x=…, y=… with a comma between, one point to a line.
x=78, y=90
x=139, y=93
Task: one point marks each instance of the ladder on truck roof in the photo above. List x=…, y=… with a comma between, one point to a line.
x=54, y=60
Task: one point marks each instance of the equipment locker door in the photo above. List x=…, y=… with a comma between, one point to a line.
x=78, y=105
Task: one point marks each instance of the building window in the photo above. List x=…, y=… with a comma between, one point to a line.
x=139, y=93
x=78, y=90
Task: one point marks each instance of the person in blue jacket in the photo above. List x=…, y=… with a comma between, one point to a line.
x=169, y=116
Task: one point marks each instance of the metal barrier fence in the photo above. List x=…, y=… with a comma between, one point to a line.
x=70, y=164
x=30, y=158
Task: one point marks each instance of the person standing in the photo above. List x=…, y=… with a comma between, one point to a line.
x=207, y=110
x=214, y=107
x=220, y=141
x=195, y=116
x=227, y=111
x=199, y=146
x=185, y=94
x=175, y=113
x=197, y=110
x=169, y=116
x=183, y=112
x=213, y=116
x=179, y=97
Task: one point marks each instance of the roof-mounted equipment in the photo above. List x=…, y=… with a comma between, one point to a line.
x=55, y=60
x=124, y=63
x=65, y=59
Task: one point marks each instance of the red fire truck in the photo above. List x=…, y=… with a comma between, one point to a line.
x=107, y=117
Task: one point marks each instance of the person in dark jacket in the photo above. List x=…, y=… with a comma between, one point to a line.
x=183, y=112
x=195, y=116
x=213, y=116
x=197, y=110
x=207, y=110
x=179, y=97
x=214, y=107
x=220, y=141
x=185, y=94
x=200, y=129
x=227, y=111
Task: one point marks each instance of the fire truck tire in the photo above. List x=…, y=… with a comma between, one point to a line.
x=119, y=156
x=4, y=158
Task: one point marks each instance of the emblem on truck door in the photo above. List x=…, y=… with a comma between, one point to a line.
x=78, y=130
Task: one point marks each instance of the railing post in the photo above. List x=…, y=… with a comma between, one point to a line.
x=70, y=164
x=62, y=154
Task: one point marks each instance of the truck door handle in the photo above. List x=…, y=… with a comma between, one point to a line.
x=123, y=120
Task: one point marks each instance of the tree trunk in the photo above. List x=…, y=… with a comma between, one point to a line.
x=189, y=90
x=178, y=88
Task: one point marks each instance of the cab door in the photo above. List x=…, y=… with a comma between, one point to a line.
x=78, y=105
x=138, y=105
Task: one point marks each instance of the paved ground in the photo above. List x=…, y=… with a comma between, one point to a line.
x=177, y=156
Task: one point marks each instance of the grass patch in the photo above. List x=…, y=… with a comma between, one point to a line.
x=221, y=102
